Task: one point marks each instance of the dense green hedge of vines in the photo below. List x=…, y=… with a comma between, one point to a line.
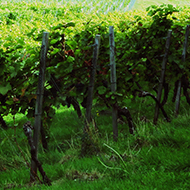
x=140, y=42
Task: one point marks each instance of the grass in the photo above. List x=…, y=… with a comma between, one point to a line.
x=156, y=157
x=143, y=4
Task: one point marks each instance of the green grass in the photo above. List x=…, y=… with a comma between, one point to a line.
x=143, y=4
x=155, y=157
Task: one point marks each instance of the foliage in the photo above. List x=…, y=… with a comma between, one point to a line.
x=153, y=157
x=140, y=42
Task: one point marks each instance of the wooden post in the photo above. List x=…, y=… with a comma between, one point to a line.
x=113, y=81
x=92, y=78
x=39, y=101
x=162, y=75
x=183, y=61
x=178, y=95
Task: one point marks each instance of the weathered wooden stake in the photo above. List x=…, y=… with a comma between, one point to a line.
x=183, y=61
x=39, y=100
x=162, y=75
x=113, y=81
x=92, y=78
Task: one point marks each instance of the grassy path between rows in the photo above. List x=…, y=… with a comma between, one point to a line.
x=142, y=4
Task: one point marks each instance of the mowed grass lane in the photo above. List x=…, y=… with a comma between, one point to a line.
x=143, y=4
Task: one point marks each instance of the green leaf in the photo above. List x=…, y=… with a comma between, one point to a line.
x=70, y=59
x=72, y=93
x=10, y=102
x=5, y=89
x=55, y=50
x=13, y=71
x=112, y=97
x=101, y=90
x=109, y=94
x=118, y=94
x=54, y=41
x=72, y=44
x=181, y=66
x=51, y=112
x=69, y=68
x=70, y=24
x=3, y=141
